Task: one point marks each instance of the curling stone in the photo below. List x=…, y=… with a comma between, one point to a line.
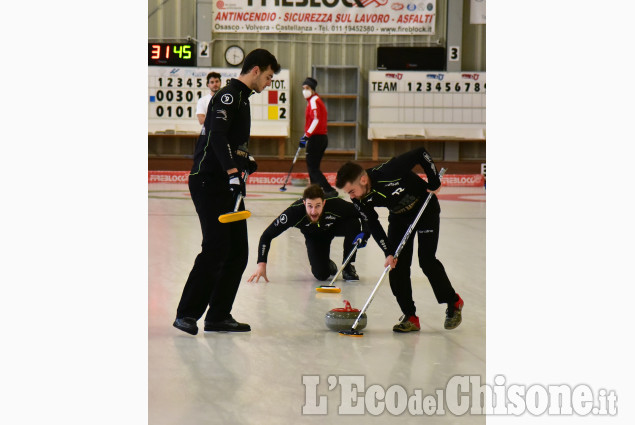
x=340, y=319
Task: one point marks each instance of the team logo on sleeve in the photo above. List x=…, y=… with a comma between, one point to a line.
x=221, y=114
x=227, y=99
x=281, y=220
x=429, y=159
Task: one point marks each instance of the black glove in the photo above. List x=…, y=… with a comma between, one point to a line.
x=237, y=185
x=252, y=166
x=303, y=141
x=245, y=162
x=361, y=240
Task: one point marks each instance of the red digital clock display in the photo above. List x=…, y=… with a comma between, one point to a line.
x=172, y=54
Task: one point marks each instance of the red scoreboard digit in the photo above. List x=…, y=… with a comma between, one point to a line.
x=171, y=54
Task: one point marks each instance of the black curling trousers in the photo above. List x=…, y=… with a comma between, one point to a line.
x=315, y=148
x=219, y=267
x=427, y=232
x=318, y=246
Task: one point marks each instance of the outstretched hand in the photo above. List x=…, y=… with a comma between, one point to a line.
x=261, y=271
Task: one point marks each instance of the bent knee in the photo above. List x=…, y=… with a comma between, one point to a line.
x=321, y=276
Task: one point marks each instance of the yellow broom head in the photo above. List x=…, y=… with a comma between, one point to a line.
x=328, y=289
x=234, y=216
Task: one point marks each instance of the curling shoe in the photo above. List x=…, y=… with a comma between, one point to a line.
x=331, y=194
x=227, y=325
x=349, y=273
x=409, y=324
x=186, y=324
x=453, y=313
x=332, y=268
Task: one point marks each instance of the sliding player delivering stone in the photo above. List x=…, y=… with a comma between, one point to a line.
x=395, y=186
x=319, y=220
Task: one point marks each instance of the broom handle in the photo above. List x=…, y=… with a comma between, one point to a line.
x=344, y=264
x=240, y=195
x=295, y=158
x=372, y=295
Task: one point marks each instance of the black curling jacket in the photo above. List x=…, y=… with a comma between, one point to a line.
x=225, y=131
x=336, y=210
x=395, y=186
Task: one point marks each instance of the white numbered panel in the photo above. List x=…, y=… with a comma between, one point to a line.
x=174, y=92
x=438, y=98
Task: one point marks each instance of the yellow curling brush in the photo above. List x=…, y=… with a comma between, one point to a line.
x=236, y=215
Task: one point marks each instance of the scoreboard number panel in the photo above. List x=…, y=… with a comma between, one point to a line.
x=456, y=98
x=173, y=93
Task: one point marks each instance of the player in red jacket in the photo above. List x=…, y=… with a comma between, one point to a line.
x=315, y=139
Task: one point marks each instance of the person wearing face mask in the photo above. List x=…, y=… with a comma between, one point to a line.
x=315, y=139
x=320, y=219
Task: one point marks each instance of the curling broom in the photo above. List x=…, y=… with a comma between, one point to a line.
x=236, y=215
x=330, y=288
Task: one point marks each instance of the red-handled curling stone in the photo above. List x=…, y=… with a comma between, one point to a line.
x=340, y=319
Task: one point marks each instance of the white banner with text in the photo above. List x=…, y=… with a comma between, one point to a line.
x=390, y=17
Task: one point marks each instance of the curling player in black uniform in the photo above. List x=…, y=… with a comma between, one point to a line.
x=320, y=220
x=216, y=184
x=395, y=186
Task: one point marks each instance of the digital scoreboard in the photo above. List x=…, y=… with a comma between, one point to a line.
x=171, y=54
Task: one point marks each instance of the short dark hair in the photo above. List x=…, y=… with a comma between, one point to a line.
x=348, y=173
x=261, y=58
x=314, y=191
x=213, y=75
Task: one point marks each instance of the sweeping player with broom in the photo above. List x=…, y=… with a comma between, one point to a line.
x=395, y=186
x=319, y=219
